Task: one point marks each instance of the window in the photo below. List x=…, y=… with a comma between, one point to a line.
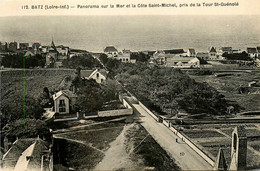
x=97, y=74
x=102, y=80
x=62, y=106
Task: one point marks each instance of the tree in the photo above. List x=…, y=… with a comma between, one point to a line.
x=90, y=96
x=44, y=99
x=17, y=107
x=26, y=128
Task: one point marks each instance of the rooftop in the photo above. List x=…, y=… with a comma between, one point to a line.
x=110, y=49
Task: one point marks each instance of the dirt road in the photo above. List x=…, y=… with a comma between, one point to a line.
x=116, y=156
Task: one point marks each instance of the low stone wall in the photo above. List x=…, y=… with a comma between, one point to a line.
x=181, y=136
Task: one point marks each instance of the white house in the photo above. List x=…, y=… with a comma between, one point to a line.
x=100, y=75
x=64, y=101
x=182, y=62
x=124, y=57
x=213, y=53
x=111, y=51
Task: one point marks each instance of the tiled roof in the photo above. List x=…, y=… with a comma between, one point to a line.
x=110, y=49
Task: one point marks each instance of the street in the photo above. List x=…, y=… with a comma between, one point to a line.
x=185, y=157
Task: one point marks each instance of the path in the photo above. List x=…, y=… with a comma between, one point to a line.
x=189, y=160
x=116, y=156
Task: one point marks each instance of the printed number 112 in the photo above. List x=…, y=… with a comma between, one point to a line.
x=25, y=7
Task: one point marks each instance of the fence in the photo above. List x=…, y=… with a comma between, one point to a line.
x=180, y=135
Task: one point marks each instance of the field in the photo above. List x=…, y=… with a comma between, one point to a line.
x=229, y=85
x=113, y=145
x=210, y=138
x=15, y=82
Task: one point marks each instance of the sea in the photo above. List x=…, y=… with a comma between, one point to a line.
x=137, y=33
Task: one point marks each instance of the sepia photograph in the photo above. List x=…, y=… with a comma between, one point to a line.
x=118, y=89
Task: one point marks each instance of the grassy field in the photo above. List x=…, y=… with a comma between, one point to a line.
x=15, y=82
x=228, y=86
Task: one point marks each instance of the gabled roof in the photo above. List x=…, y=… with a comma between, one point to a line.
x=251, y=50
x=86, y=73
x=67, y=93
x=101, y=71
x=212, y=49
x=14, y=157
x=110, y=49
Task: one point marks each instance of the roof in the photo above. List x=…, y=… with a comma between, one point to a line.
x=174, y=51
x=110, y=49
x=212, y=49
x=202, y=54
x=192, y=51
x=15, y=157
x=226, y=49
x=251, y=50
x=67, y=93
x=85, y=73
x=126, y=51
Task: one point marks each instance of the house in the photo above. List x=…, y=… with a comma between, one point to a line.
x=191, y=52
x=36, y=45
x=203, y=55
x=227, y=50
x=64, y=101
x=23, y=46
x=28, y=154
x=63, y=50
x=3, y=47
x=182, y=62
x=111, y=51
x=252, y=52
x=123, y=57
x=77, y=52
x=13, y=46
x=213, y=53
x=100, y=75
x=55, y=55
